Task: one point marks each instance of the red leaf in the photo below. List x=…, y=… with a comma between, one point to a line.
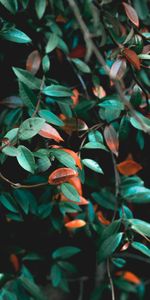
x=129, y=276
x=75, y=97
x=129, y=167
x=78, y=52
x=111, y=139
x=132, y=57
x=102, y=219
x=131, y=14
x=75, y=156
x=118, y=69
x=33, y=62
x=50, y=132
x=75, y=224
x=61, y=175
x=15, y=262
x=76, y=182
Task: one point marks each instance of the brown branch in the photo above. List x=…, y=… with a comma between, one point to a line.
x=39, y=97
x=88, y=40
x=19, y=185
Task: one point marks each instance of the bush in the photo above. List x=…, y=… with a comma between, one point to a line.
x=75, y=124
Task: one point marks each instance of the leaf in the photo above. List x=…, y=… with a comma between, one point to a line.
x=11, y=138
x=132, y=57
x=95, y=136
x=74, y=124
x=92, y=164
x=50, y=132
x=94, y=145
x=52, y=43
x=40, y=6
x=30, y=127
x=64, y=158
x=27, y=78
x=15, y=262
x=140, y=247
x=33, y=62
x=10, y=5
x=111, y=139
x=75, y=157
x=25, y=159
x=137, y=125
x=81, y=66
x=129, y=167
x=99, y=91
x=31, y=288
x=61, y=175
x=78, y=52
x=57, y=91
x=23, y=198
x=140, y=226
x=65, y=252
x=16, y=36
x=26, y=95
x=132, y=189
x=119, y=262
x=118, y=69
x=144, y=56
x=56, y=275
x=102, y=219
x=46, y=63
x=129, y=276
x=8, y=201
x=109, y=245
x=76, y=182
x=131, y=14
x=75, y=224
x=50, y=117
x=70, y=192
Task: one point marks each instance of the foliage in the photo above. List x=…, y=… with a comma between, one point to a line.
x=75, y=124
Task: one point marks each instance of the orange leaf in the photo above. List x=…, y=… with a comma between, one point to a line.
x=75, y=224
x=61, y=175
x=50, y=132
x=129, y=276
x=75, y=97
x=75, y=156
x=15, y=262
x=60, y=19
x=33, y=62
x=78, y=52
x=118, y=69
x=99, y=91
x=76, y=182
x=129, y=167
x=111, y=139
x=101, y=218
x=131, y=14
x=132, y=57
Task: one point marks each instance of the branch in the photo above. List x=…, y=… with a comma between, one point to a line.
x=88, y=40
x=39, y=97
x=117, y=184
x=19, y=185
x=110, y=279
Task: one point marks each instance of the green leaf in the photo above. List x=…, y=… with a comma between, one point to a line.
x=64, y=158
x=109, y=245
x=26, y=95
x=140, y=226
x=25, y=159
x=31, y=288
x=10, y=5
x=104, y=198
x=52, y=43
x=57, y=91
x=94, y=145
x=141, y=8
x=40, y=6
x=118, y=262
x=142, y=248
x=27, y=78
x=23, y=198
x=15, y=35
x=67, y=266
x=12, y=137
x=144, y=56
x=133, y=190
x=110, y=230
x=137, y=125
x=70, y=192
x=95, y=136
x=43, y=164
x=46, y=63
x=92, y=164
x=50, y=117
x=81, y=66
x=30, y=128
x=56, y=275
x=8, y=201
x=65, y=252
x=125, y=285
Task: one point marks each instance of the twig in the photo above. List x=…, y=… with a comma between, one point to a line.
x=134, y=256
x=110, y=279
x=88, y=39
x=117, y=183
x=39, y=97
x=19, y=185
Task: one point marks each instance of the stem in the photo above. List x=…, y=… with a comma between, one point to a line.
x=19, y=185
x=117, y=184
x=110, y=279
x=39, y=97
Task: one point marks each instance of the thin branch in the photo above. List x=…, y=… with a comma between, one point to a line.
x=110, y=279
x=19, y=185
x=39, y=97
x=117, y=184
x=88, y=40
x=134, y=256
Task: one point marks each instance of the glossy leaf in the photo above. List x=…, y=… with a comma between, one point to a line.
x=57, y=91
x=33, y=62
x=81, y=66
x=50, y=117
x=131, y=13
x=40, y=6
x=142, y=248
x=52, y=43
x=140, y=226
x=27, y=78
x=30, y=127
x=111, y=139
x=25, y=159
x=15, y=35
x=129, y=167
x=61, y=175
x=109, y=246
x=70, y=192
x=50, y=132
x=11, y=5
x=92, y=164
x=65, y=252
x=75, y=224
x=132, y=57
x=118, y=69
